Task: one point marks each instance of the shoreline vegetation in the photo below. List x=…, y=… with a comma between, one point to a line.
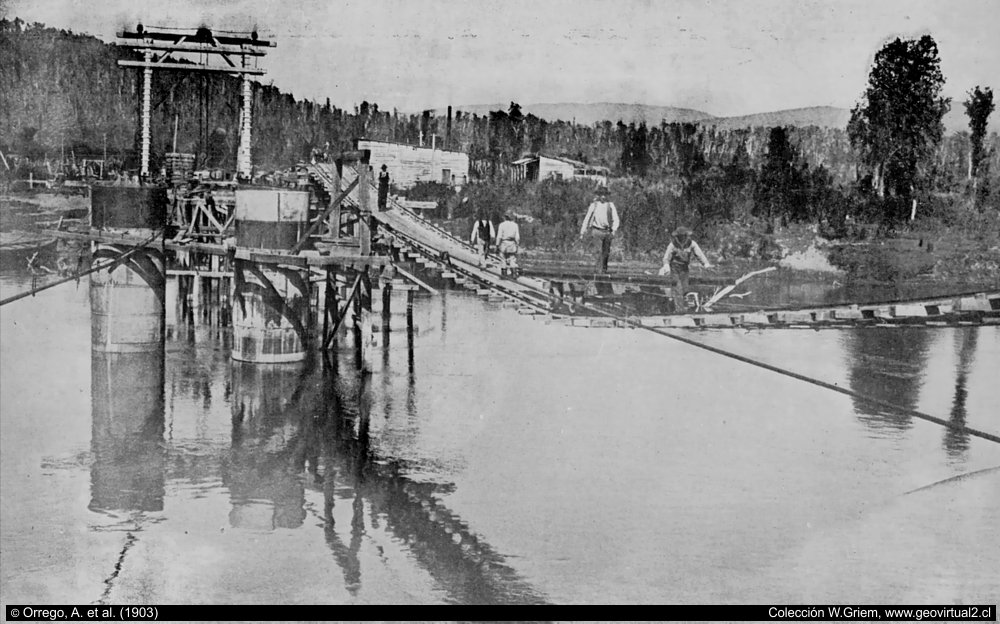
x=836, y=203
x=965, y=249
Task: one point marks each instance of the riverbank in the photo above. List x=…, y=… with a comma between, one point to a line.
x=961, y=248
x=967, y=253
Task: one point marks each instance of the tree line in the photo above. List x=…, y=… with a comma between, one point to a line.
x=62, y=95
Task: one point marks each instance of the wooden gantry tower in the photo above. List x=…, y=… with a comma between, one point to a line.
x=197, y=51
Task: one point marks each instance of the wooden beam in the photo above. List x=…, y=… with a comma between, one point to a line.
x=323, y=217
x=364, y=218
x=341, y=313
x=334, y=218
x=192, y=67
x=175, y=36
x=196, y=48
x=276, y=257
x=415, y=280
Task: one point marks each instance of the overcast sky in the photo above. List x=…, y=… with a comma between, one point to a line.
x=721, y=57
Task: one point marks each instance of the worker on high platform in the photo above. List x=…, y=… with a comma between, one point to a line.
x=677, y=261
x=508, y=240
x=602, y=223
x=383, y=187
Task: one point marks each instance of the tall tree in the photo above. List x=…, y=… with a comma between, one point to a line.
x=779, y=179
x=515, y=130
x=897, y=125
x=978, y=107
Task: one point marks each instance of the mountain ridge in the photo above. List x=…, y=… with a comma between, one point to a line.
x=588, y=114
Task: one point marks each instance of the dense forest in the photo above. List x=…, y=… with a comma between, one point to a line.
x=62, y=95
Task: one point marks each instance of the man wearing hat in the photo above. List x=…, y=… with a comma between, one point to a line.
x=677, y=260
x=508, y=239
x=602, y=222
x=383, y=187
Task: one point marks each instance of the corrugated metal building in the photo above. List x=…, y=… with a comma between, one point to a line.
x=409, y=164
x=535, y=167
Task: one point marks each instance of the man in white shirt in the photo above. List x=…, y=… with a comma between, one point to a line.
x=602, y=223
x=508, y=239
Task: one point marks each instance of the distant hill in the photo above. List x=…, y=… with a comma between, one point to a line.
x=820, y=116
x=588, y=114
x=832, y=117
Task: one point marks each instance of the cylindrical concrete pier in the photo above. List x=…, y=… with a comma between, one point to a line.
x=270, y=302
x=127, y=300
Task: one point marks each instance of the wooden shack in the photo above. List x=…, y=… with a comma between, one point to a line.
x=536, y=167
x=409, y=164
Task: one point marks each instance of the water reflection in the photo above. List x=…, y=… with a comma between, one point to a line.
x=956, y=441
x=127, y=428
x=299, y=429
x=469, y=570
x=886, y=364
x=260, y=465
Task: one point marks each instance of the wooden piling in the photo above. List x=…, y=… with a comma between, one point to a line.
x=365, y=316
x=386, y=306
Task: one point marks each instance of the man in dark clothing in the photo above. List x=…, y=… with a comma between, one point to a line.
x=677, y=261
x=383, y=188
x=482, y=236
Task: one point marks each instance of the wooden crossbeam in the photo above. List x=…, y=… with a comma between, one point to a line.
x=297, y=260
x=341, y=313
x=175, y=36
x=322, y=219
x=194, y=48
x=415, y=280
x=193, y=67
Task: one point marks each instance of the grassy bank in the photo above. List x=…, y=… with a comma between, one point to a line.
x=949, y=241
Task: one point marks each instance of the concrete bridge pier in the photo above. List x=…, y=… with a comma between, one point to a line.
x=127, y=300
x=270, y=308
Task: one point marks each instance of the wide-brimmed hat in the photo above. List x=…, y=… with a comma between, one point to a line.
x=602, y=190
x=682, y=231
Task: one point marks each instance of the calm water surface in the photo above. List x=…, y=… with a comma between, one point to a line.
x=492, y=458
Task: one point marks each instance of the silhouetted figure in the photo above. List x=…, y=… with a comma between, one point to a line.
x=383, y=188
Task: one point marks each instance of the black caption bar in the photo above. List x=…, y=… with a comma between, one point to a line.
x=702, y=613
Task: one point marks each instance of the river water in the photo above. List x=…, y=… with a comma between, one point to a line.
x=492, y=458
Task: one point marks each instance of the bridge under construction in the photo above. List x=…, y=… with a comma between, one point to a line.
x=289, y=265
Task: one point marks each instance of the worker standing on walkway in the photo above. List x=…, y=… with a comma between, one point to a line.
x=677, y=261
x=483, y=235
x=602, y=223
x=383, y=188
x=508, y=240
